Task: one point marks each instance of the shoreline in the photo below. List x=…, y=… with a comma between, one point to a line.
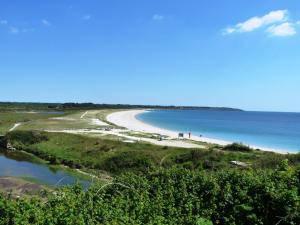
x=128, y=120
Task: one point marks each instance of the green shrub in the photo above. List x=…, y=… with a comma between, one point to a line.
x=128, y=161
x=26, y=137
x=238, y=147
x=168, y=196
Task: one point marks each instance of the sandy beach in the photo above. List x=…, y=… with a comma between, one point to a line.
x=128, y=120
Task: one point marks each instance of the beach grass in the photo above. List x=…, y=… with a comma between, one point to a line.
x=141, y=134
x=9, y=118
x=102, y=114
x=33, y=120
x=115, y=156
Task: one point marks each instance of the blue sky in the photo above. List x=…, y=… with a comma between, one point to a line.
x=243, y=54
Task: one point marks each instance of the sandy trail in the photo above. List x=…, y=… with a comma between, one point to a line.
x=99, y=122
x=83, y=115
x=94, y=121
x=63, y=118
x=15, y=126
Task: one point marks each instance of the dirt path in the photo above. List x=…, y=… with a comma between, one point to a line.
x=83, y=115
x=15, y=126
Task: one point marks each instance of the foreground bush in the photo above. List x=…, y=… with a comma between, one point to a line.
x=169, y=196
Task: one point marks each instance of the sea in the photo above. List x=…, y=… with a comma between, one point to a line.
x=275, y=130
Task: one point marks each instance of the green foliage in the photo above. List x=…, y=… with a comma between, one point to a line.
x=128, y=161
x=9, y=118
x=237, y=147
x=169, y=196
x=188, y=187
x=78, y=151
x=26, y=137
x=203, y=221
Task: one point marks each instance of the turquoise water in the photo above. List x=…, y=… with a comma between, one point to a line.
x=264, y=129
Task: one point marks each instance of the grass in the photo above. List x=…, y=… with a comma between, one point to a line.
x=102, y=114
x=83, y=151
x=71, y=119
x=8, y=119
x=204, y=144
x=93, y=152
x=22, y=156
x=36, y=121
x=53, y=124
x=141, y=134
x=114, y=156
x=106, y=136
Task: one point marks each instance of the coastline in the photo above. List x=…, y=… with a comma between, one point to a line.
x=128, y=120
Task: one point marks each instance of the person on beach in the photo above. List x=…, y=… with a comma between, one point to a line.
x=189, y=134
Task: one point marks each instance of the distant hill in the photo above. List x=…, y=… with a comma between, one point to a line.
x=72, y=105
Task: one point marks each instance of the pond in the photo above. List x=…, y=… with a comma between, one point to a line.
x=22, y=165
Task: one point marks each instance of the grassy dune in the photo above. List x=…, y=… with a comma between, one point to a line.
x=8, y=119
x=115, y=156
x=38, y=121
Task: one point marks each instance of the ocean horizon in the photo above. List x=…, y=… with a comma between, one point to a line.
x=274, y=130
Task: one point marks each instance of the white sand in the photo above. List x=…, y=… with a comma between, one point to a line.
x=128, y=119
x=63, y=118
x=98, y=122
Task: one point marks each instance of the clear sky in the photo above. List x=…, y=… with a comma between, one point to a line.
x=233, y=53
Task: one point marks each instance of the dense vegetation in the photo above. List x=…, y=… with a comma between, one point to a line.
x=79, y=151
x=115, y=156
x=237, y=147
x=7, y=120
x=159, y=185
x=26, y=106
x=85, y=106
x=169, y=196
